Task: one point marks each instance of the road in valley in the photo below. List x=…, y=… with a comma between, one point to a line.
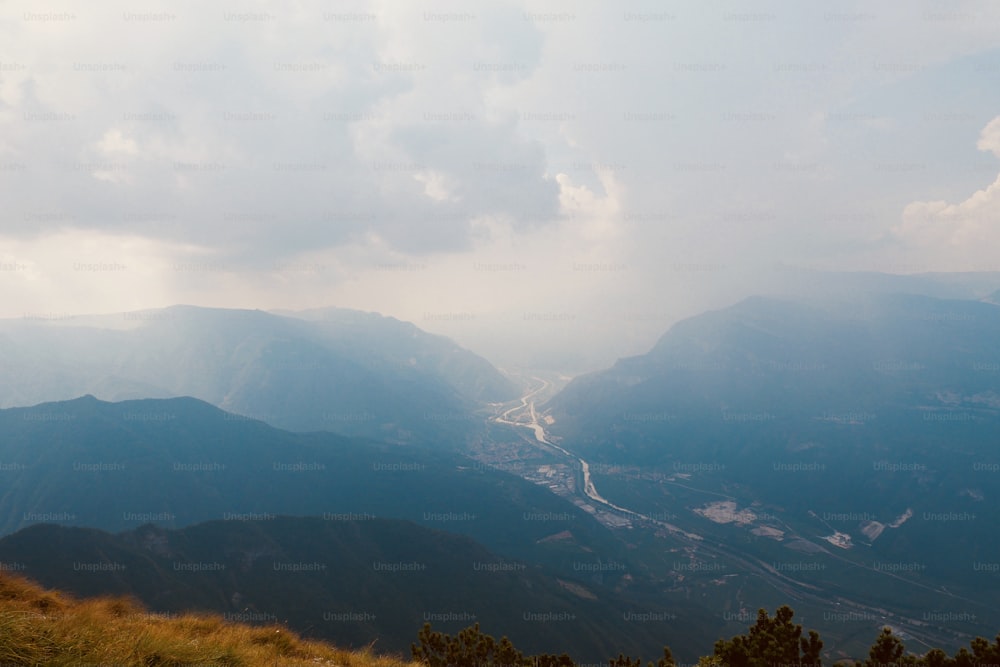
x=525, y=416
x=528, y=406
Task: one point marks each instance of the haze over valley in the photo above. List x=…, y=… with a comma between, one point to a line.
x=605, y=328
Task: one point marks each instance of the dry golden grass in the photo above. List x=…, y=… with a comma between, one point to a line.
x=40, y=627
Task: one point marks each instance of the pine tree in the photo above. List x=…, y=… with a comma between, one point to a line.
x=473, y=648
x=886, y=651
x=984, y=652
x=667, y=660
x=771, y=642
x=937, y=658
x=624, y=661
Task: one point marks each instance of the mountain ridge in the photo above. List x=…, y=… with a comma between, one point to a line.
x=381, y=378
x=114, y=465
x=853, y=437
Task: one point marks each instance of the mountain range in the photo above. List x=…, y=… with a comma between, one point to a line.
x=180, y=461
x=818, y=447
x=840, y=444
x=336, y=370
x=144, y=493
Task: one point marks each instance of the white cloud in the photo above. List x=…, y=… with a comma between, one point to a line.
x=962, y=236
x=437, y=186
x=989, y=138
x=598, y=218
x=966, y=225
x=114, y=142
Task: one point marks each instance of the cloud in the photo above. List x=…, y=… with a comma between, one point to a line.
x=973, y=221
x=989, y=138
x=964, y=235
x=373, y=119
x=50, y=277
x=390, y=156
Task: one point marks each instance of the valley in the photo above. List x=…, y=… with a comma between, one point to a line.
x=609, y=328
x=774, y=452
x=680, y=526
x=525, y=415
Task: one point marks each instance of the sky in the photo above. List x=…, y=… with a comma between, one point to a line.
x=537, y=180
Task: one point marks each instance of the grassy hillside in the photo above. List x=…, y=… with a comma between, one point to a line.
x=43, y=627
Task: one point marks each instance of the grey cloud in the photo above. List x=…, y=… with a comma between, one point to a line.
x=247, y=142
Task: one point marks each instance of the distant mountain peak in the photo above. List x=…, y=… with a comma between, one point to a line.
x=86, y=398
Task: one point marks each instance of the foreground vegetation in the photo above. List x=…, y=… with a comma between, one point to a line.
x=40, y=627
x=43, y=627
x=771, y=642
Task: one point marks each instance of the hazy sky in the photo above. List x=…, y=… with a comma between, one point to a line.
x=555, y=176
